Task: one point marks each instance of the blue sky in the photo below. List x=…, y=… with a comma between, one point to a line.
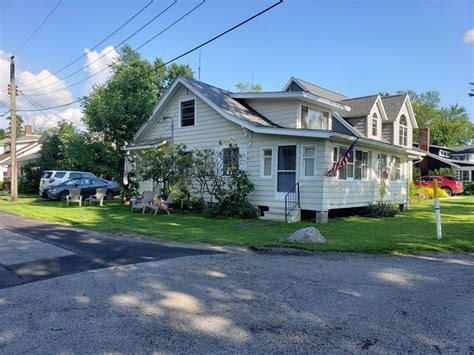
x=353, y=47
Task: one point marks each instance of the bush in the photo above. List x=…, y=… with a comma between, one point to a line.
x=468, y=188
x=1, y=185
x=381, y=209
x=29, y=181
x=427, y=193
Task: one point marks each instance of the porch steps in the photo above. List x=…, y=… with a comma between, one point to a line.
x=278, y=214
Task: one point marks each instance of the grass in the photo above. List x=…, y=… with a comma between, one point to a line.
x=409, y=233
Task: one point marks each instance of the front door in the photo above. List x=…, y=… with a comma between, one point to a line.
x=286, y=172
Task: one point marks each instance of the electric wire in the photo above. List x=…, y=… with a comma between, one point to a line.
x=93, y=48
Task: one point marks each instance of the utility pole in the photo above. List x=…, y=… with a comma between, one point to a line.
x=13, y=128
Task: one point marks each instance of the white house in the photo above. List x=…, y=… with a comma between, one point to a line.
x=28, y=146
x=289, y=139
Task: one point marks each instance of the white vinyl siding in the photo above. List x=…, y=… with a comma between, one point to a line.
x=281, y=112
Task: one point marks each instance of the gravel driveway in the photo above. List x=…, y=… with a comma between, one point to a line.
x=242, y=302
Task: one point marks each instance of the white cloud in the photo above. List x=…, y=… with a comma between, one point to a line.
x=43, y=82
x=469, y=36
x=95, y=65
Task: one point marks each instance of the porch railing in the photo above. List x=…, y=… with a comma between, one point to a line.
x=292, y=200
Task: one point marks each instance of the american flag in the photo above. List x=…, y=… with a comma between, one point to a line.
x=341, y=163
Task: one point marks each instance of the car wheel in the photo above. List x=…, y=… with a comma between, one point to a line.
x=448, y=191
x=63, y=195
x=109, y=195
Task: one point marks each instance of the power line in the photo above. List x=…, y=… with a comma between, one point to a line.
x=5, y=113
x=94, y=47
x=49, y=108
x=179, y=56
x=34, y=105
x=107, y=52
x=38, y=28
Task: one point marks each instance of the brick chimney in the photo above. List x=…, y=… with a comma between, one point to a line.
x=28, y=130
x=424, y=139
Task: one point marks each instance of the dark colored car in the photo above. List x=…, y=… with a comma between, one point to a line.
x=87, y=185
x=450, y=184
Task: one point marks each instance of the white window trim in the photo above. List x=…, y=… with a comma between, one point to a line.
x=299, y=123
x=183, y=99
x=368, y=164
x=262, y=163
x=376, y=120
x=303, y=176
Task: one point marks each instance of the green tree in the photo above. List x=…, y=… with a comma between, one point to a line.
x=19, y=126
x=448, y=125
x=3, y=134
x=247, y=87
x=114, y=111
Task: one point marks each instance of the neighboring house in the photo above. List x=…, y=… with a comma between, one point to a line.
x=27, y=148
x=289, y=139
x=460, y=159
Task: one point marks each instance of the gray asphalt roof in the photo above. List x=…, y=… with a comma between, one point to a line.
x=28, y=137
x=392, y=105
x=221, y=98
x=319, y=91
x=360, y=106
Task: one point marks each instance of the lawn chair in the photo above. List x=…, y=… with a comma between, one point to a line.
x=165, y=205
x=74, y=197
x=143, y=202
x=97, y=198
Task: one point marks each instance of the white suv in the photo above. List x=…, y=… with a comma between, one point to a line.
x=56, y=177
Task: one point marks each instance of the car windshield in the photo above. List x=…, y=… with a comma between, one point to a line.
x=47, y=174
x=72, y=182
x=452, y=178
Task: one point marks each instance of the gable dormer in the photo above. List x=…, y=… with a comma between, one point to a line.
x=367, y=115
x=401, y=120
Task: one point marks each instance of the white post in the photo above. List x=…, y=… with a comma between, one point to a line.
x=437, y=210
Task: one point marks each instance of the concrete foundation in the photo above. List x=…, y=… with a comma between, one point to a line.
x=322, y=217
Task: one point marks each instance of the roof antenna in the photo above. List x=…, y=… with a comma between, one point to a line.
x=199, y=67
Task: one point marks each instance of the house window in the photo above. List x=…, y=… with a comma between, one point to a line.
x=267, y=162
x=309, y=161
x=382, y=168
x=361, y=164
x=444, y=153
x=375, y=123
x=313, y=119
x=396, y=168
x=187, y=113
x=335, y=157
x=230, y=159
x=403, y=131
x=347, y=172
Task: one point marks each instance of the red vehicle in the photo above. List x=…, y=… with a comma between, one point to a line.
x=450, y=184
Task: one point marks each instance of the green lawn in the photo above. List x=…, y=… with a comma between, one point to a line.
x=410, y=232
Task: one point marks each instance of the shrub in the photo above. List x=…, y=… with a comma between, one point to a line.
x=442, y=171
x=1, y=185
x=381, y=209
x=427, y=193
x=29, y=181
x=468, y=188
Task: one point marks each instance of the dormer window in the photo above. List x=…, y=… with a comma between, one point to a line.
x=313, y=119
x=375, y=124
x=403, y=131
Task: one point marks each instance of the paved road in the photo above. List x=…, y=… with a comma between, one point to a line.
x=242, y=302
x=32, y=251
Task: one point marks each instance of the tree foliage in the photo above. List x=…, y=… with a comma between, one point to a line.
x=247, y=87
x=3, y=134
x=448, y=125
x=19, y=126
x=114, y=111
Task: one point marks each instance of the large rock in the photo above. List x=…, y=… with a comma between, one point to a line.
x=307, y=235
